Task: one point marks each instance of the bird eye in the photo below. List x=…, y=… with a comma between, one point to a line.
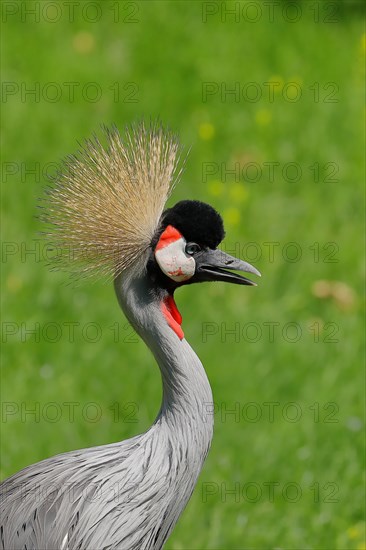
x=192, y=248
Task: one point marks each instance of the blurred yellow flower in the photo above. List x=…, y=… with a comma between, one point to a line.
x=231, y=216
x=83, y=42
x=356, y=534
x=343, y=295
x=14, y=283
x=322, y=289
x=206, y=131
x=238, y=192
x=363, y=43
x=215, y=188
x=263, y=117
x=353, y=532
x=276, y=83
x=297, y=79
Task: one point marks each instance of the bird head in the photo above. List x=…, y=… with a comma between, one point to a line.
x=105, y=213
x=184, y=250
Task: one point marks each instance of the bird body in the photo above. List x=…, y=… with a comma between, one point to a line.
x=130, y=494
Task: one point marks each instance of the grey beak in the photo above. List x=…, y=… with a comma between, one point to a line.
x=216, y=265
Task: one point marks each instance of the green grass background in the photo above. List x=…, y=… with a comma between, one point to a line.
x=168, y=53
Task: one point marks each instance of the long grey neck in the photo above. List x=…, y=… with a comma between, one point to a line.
x=187, y=396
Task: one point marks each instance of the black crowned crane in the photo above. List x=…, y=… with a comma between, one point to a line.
x=106, y=212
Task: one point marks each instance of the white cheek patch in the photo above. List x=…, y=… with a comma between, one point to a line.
x=173, y=261
x=171, y=257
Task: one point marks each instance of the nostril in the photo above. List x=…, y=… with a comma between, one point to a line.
x=228, y=262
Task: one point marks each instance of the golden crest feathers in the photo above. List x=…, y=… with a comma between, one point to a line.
x=104, y=208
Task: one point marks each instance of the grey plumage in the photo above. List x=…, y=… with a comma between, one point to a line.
x=126, y=495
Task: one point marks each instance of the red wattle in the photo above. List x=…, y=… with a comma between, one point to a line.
x=172, y=306
x=172, y=315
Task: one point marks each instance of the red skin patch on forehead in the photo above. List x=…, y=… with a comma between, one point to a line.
x=168, y=236
x=172, y=315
